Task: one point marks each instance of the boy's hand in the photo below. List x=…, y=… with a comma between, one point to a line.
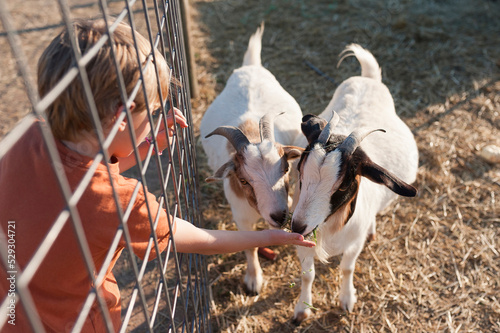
x=173, y=114
x=281, y=237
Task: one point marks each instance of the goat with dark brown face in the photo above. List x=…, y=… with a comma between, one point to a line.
x=352, y=164
x=249, y=151
x=352, y=168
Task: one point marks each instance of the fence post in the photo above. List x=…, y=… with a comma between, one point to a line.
x=186, y=26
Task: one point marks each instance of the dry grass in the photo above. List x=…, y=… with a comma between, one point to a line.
x=435, y=264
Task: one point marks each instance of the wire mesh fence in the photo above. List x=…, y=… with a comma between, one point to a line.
x=167, y=293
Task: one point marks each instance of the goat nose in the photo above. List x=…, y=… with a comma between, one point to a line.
x=279, y=217
x=298, y=227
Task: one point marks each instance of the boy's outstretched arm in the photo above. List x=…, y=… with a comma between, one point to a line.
x=190, y=239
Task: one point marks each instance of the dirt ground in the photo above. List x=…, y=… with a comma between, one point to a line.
x=435, y=264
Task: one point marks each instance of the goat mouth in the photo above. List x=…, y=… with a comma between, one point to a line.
x=312, y=236
x=273, y=224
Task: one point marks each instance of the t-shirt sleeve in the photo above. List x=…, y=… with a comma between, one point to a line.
x=140, y=228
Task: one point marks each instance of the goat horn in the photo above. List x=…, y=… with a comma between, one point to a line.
x=327, y=131
x=234, y=135
x=354, y=140
x=266, y=126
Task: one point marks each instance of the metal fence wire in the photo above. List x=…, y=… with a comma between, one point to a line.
x=169, y=293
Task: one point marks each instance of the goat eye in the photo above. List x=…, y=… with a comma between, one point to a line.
x=287, y=168
x=243, y=181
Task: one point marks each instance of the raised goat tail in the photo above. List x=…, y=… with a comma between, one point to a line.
x=252, y=55
x=369, y=65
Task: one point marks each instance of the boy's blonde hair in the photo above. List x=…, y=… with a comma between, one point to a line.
x=69, y=114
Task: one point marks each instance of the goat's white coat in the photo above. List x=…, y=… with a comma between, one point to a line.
x=362, y=101
x=250, y=93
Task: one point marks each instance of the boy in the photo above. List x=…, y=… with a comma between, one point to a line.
x=30, y=194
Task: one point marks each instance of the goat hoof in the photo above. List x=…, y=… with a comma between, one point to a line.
x=250, y=292
x=300, y=317
x=253, y=283
x=347, y=303
x=252, y=289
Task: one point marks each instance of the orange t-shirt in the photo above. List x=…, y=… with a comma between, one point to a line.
x=30, y=196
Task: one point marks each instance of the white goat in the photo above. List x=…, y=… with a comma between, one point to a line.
x=335, y=199
x=254, y=166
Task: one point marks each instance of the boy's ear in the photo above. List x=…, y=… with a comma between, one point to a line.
x=119, y=110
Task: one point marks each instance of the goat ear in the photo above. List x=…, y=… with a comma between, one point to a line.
x=225, y=170
x=292, y=152
x=379, y=175
x=312, y=126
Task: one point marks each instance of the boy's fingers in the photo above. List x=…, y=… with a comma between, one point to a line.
x=306, y=243
x=283, y=237
x=181, y=120
x=299, y=240
x=176, y=114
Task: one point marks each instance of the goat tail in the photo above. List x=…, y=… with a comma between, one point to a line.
x=369, y=65
x=252, y=55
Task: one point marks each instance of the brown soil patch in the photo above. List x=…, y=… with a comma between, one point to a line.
x=435, y=263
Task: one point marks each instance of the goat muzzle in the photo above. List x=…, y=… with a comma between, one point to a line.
x=298, y=227
x=279, y=217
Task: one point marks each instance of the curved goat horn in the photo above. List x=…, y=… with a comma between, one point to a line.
x=354, y=140
x=266, y=126
x=327, y=131
x=234, y=135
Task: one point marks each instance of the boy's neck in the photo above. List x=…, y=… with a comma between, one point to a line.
x=85, y=146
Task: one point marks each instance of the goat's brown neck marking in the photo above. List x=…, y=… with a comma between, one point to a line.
x=345, y=204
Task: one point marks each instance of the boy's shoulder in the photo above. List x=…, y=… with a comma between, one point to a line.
x=26, y=152
x=28, y=160
x=28, y=165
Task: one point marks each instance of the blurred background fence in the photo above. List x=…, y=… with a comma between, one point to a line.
x=169, y=293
